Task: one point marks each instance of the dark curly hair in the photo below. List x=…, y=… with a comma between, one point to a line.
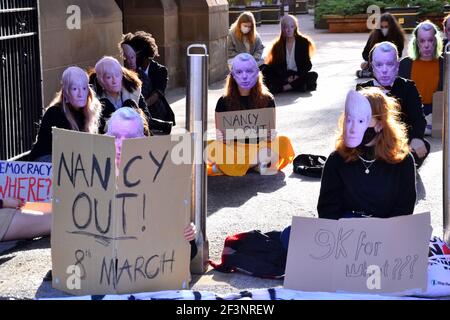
x=143, y=43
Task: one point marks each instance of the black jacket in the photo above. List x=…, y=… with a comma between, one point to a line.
x=406, y=67
x=158, y=76
x=406, y=93
x=389, y=190
x=302, y=58
x=53, y=117
x=368, y=47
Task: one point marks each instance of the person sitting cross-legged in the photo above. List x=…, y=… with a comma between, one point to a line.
x=371, y=173
x=234, y=157
x=385, y=64
x=127, y=123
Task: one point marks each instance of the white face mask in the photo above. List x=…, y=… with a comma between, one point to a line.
x=385, y=31
x=245, y=30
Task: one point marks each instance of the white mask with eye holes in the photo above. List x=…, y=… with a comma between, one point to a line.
x=358, y=114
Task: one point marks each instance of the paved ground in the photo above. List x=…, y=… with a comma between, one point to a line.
x=255, y=202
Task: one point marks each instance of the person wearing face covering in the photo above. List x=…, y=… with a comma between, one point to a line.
x=288, y=63
x=425, y=66
x=390, y=30
x=371, y=173
x=245, y=90
x=75, y=108
x=118, y=87
x=385, y=64
x=128, y=123
x=139, y=51
x=243, y=38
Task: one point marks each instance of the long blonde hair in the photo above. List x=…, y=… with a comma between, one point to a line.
x=91, y=111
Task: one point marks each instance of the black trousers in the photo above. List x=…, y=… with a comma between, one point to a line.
x=276, y=80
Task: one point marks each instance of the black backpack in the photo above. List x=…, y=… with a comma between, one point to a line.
x=309, y=165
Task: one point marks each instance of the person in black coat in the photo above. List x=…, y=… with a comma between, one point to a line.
x=118, y=87
x=390, y=30
x=139, y=51
x=371, y=172
x=446, y=30
x=288, y=63
x=75, y=108
x=385, y=64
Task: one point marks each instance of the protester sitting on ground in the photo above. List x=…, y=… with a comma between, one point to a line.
x=19, y=224
x=390, y=30
x=371, y=173
x=384, y=63
x=139, y=51
x=243, y=38
x=446, y=29
x=119, y=87
x=127, y=123
x=288, y=63
x=425, y=66
x=75, y=107
x=245, y=90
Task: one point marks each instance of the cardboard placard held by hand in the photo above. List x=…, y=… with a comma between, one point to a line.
x=28, y=181
x=124, y=235
x=246, y=124
x=359, y=255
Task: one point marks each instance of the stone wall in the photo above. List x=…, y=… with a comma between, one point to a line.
x=175, y=24
x=101, y=29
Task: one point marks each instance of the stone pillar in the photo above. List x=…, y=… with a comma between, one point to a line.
x=99, y=33
x=160, y=18
x=203, y=21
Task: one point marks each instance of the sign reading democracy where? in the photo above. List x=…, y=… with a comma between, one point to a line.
x=28, y=181
x=253, y=123
x=359, y=255
x=123, y=235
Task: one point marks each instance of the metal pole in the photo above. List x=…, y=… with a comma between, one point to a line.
x=446, y=147
x=196, y=123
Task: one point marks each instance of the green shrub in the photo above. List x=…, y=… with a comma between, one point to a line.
x=347, y=7
x=429, y=6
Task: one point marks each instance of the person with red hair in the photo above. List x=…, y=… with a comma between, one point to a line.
x=371, y=173
x=374, y=174
x=288, y=63
x=243, y=38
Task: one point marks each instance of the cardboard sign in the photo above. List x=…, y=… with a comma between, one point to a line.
x=251, y=124
x=28, y=181
x=124, y=235
x=359, y=255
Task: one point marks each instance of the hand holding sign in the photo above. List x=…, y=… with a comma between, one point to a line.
x=12, y=203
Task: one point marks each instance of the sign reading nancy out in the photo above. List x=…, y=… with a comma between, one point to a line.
x=247, y=124
x=29, y=181
x=119, y=235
